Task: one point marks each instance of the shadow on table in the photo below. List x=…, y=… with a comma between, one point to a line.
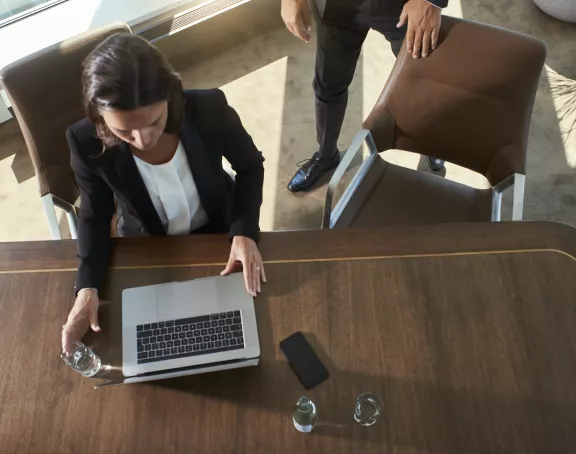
x=418, y=414
x=436, y=415
x=109, y=344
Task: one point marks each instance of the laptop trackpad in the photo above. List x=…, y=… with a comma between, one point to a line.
x=186, y=299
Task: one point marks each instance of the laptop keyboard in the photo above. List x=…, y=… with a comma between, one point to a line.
x=193, y=336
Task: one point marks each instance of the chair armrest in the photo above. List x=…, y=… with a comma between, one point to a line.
x=517, y=180
x=328, y=220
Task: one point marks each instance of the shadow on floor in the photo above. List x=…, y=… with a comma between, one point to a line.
x=551, y=174
x=296, y=133
x=298, y=141
x=525, y=17
x=550, y=179
x=13, y=145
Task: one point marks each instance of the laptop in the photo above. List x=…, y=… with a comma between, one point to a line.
x=185, y=328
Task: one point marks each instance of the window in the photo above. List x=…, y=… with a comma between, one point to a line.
x=13, y=10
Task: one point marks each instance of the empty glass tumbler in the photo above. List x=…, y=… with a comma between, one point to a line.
x=368, y=408
x=81, y=359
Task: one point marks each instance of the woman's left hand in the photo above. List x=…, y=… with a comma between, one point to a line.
x=245, y=251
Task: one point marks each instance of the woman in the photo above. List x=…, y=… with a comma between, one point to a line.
x=155, y=150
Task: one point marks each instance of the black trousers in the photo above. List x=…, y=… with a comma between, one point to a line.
x=342, y=26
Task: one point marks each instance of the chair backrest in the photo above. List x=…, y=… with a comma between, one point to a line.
x=45, y=91
x=469, y=102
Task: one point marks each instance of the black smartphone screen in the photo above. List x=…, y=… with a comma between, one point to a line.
x=303, y=360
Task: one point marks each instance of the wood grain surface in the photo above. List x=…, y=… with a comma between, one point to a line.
x=470, y=353
x=193, y=250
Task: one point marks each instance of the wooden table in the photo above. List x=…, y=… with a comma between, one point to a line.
x=467, y=332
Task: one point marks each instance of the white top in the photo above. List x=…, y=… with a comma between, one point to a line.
x=174, y=194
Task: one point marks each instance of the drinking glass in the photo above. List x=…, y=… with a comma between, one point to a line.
x=81, y=359
x=367, y=410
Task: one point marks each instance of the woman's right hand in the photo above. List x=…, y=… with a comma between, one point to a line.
x=84, y=314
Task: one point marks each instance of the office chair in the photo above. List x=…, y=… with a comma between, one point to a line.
x=45, y=91
x=470, y=103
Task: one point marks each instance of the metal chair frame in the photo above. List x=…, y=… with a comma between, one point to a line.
x=50, y=202
x=331, y=216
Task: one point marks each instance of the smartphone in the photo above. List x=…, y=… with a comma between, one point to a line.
x=303, y=360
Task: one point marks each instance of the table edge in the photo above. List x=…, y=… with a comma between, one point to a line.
x=303, y=245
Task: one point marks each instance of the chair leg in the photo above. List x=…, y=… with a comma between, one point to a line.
x=51, y=215
x=517, y=180
x=518, y=200
x=496, y=206
x=329, y=216
x=71, y=215
x=73, y=224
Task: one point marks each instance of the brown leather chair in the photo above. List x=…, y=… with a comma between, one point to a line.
x=45, y=91
x=469, y=103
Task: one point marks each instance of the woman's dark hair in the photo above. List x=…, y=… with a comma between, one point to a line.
x=126, y=72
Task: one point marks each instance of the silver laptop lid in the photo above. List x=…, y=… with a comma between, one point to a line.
x=179, y=301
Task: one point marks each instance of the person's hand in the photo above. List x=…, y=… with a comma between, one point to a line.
x=84, y=314
x=296, y=16
x=245, y=251
x=423, y=20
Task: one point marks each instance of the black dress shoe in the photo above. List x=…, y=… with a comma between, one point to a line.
x=310, y=170
x=435, y=164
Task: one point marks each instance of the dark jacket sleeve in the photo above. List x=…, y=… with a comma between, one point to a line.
x=247, y=162
x=439, y=3
x=96, y=211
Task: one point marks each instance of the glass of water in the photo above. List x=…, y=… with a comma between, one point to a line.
x=81, y=359
x=367, y=410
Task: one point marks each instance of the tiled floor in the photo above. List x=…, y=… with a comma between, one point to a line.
x=268, y=81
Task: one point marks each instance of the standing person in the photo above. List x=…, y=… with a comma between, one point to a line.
x=157, y=150
x=342, y=28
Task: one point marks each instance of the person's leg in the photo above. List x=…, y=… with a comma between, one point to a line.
x=336, y=58
x=396, y=45
x=384, y=16
x=337, y=52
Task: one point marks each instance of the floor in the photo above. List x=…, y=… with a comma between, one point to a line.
x=268, y=81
